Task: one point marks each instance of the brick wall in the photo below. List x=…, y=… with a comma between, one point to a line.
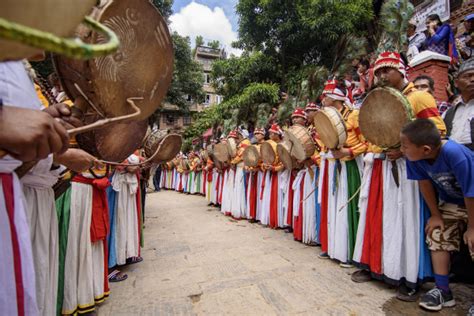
x=438, y=70
x=459, y=14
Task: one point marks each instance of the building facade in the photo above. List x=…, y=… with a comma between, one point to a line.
x=173, y=119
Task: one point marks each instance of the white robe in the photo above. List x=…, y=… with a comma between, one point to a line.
x=267, y=193
x=297, y=192
x=363, y=204
x=401, y=222
x=259, y=192
x=126, y=217
x=84, y=262
x=309, y=208
x=283, y=195
x=238, y=197
x=226, y=190
x=20, y=229
x=43, y=223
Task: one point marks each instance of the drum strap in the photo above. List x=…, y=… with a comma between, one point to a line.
x=448, y=120
x=346, y=112
x=337, y=172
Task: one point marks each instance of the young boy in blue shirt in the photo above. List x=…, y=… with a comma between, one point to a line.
x=445, y=173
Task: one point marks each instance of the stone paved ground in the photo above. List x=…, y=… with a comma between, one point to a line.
x=199, y=262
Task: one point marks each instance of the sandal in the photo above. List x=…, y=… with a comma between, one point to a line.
x=133, y=260
x=117, y=276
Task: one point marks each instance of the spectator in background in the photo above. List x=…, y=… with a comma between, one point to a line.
x=426, y=83
x=464, y=42
x=440, y=38
x=415, y=41
x=355, y=66
x=366, y=75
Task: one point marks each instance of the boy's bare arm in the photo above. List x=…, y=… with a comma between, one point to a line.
x=429, y=194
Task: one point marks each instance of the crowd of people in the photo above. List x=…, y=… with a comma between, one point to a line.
x=396, y=214
x=68, y=223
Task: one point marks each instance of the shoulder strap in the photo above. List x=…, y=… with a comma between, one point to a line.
x=448, y=120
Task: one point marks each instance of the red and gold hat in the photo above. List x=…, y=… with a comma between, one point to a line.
x=260, y=131
x=392, y=60
x=312, y=107
x=276, y=129
x=331, y=90
x=233, y=134
x=299, y=113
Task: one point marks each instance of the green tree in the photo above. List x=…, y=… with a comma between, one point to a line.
x=231, y=76
x=188, y=75
x=215, y=44
x=300, y=32
x=165, y=7
x=199, y=41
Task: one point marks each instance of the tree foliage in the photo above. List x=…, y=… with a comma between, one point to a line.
x=188, y=75
x=199, y=41
x=215, y=44
x=299, y=32
x=165, y=7
x=231, y=76
x=251, y=107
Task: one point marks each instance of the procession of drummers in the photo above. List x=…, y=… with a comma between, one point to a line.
x=398, y=215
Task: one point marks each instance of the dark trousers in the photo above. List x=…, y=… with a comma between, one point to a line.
x=157, y=179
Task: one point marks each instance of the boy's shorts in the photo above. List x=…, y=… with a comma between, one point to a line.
x=455, y=224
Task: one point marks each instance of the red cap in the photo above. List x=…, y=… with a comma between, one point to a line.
x=299, y=113
x=276, y=129
x=233, y=134
x=312, y=107
x=260, y=131
x=392, y=60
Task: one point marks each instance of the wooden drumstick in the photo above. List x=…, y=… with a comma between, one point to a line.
x=25, y=167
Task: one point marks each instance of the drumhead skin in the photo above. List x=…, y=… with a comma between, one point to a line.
x=330, y=127
x=142, y=67
x=285, y=156
x=152, y=141
x=267, y=152
x=221, y=152
x=169, y=146
x=251, y=156
x=109, y=140
x=383, y=114
x=232, y=147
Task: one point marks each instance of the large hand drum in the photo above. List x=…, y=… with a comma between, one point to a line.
x=114, y=142
x=267, y=153
x=28, y=27
x=162, y=147
x=302, y=143
x=331, y=127
x=142, y=67
x=221, y=152
x=251, y=156
x=283, y=151
x=232, y=145
x=383, y=114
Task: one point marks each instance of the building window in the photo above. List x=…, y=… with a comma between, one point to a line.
x=189, y=98
x=170, y=119
x=218, y=99
x=207, y=100
x=187, y=120
x=207, y=78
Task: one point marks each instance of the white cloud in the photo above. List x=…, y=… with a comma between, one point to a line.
x=197, y=19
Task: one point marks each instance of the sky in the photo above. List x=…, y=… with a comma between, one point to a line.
x=212, y=19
